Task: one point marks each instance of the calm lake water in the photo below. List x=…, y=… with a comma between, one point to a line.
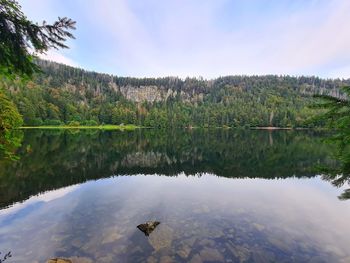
x=220, y=196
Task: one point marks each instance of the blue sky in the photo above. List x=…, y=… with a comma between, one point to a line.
x=209, y=38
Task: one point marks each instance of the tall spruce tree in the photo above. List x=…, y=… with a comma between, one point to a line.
x=20, y=38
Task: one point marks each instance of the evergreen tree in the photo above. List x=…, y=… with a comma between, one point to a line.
x=18, y=35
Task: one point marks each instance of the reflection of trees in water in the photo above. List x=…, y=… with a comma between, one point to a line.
x=9, y=143
x=339, y=175
x=4, y=257
x=57, y=159
x=336, y=114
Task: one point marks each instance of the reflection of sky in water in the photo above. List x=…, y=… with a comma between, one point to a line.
x=46, y=197
x=279, y=219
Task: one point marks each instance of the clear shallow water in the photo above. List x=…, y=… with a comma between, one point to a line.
x=220, y=196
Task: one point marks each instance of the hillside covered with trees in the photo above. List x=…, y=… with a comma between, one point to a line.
x=66, y=95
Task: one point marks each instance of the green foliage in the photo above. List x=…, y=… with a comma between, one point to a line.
x=9, y=142
x=53, y=123
x=339, y=175
x=336, y=115
x=9, y=119
x=74, y=127
x=74, y=123
x=89, y=123
x=336, y=110
x=18, y=34
x=9, y=115
x=69, y=94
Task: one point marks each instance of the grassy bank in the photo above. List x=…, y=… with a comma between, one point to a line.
x=100, y=127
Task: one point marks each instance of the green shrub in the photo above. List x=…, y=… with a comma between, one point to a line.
x=9, y=115
x=90, y=123
x=53, y=123
x=35, y=122
x=73, y=123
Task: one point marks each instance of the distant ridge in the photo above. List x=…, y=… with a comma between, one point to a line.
x=63, y=94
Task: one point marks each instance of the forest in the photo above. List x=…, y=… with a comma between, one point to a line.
x=64, y=95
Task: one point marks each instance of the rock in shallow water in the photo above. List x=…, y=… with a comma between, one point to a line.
x=148, y=227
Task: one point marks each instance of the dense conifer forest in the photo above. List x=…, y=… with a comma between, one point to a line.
x=66, y=95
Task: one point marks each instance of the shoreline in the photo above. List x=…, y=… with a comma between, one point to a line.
x=276, y=128
x=289, y=128
x=66, y=127
x=134, y=127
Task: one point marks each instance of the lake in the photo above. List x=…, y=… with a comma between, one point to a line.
x=218, y=195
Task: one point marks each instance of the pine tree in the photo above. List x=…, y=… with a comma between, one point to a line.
x=19, y=36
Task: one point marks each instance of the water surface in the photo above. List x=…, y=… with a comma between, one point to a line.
x=220, y=196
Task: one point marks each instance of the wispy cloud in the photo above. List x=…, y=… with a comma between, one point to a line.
x=58, y=57
x=210, y=38
x=44, y=197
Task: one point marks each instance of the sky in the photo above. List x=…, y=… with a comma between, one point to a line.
x=207, y=38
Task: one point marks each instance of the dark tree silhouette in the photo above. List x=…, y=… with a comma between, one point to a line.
x=337, y=117
x=20, y=38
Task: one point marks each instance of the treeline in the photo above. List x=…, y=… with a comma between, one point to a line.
x=64, y=95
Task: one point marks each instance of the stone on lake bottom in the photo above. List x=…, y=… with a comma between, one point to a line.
x=166, y=259
x=239, y=252
x=184, y=252
x=151, y=259
x=162, y=238
x=211, y=254
x=59, y=260
x=259, y=227
x=111, y=237
x=70, y=260
x=196, y=259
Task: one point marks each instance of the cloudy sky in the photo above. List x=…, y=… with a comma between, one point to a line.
x=208, y=38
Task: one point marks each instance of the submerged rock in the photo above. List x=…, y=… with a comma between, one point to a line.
x=189, y=241
x=258, y=226
x=81, y=260
x=148, y=227
x=151, y=259
x=106, y=259
x=239, y=252
x=59, y=260
x=162, y=238
x=166, y=259
x=211, y=254
x=111, y=237
x=70, y=260
x=184, y=252
x=196, y=259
